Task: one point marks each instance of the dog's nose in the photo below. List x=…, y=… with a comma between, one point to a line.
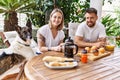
x=28, y=37
x=28, y=40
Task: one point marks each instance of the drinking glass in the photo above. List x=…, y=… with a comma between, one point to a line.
x=110, y=43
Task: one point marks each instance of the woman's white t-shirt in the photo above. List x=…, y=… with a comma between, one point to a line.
x=47, y=34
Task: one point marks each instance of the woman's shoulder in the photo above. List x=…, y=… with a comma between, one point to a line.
x=61, y=31
x=44, y=27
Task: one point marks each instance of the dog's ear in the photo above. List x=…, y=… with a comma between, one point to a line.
x=29, y=24
x=17, y=28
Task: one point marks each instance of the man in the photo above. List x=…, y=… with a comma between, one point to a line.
x=90, y=33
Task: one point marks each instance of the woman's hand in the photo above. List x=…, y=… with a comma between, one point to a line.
x=57, y=48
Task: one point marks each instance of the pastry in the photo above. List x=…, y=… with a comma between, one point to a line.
x=88, y=49
x=95, y=52
x=101, y=50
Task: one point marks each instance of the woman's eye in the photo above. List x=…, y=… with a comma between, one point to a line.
x=55, y=17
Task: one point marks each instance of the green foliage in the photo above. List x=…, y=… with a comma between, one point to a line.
x=20, y=6
x=9, y=7
x=117, y=11
x=118, y=43
x=73, y=10
x=2, y=45
x=77, y=14
x=1, y=41
x=110, y=25
x=108, y=1
x=40, y=19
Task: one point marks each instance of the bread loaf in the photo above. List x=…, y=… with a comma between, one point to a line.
x=61, y=64
x=54, y=58
x=51, y=59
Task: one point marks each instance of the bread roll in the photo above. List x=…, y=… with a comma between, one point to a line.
x=63, y=64
x=54, y=64
x=70, y=63
x=102, y=50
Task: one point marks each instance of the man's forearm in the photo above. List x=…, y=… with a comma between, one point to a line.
x=83, y=44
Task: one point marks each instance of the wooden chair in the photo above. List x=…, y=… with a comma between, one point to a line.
x=17, y=76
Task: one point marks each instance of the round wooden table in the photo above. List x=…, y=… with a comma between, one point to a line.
x=35, y=63
x=102, y=69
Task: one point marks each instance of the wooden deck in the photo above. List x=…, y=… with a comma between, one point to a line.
x=107, y=68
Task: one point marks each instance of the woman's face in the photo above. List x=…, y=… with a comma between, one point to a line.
x=56, y=19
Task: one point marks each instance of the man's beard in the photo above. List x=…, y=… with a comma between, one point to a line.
x=90, y=24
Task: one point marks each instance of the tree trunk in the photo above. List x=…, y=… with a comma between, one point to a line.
x=11, y=21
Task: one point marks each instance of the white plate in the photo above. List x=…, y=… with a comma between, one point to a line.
x=62, y=67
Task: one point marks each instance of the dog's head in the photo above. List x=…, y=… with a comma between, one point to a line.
x=25, y=33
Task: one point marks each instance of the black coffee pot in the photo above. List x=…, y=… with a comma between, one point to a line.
x=70, y=49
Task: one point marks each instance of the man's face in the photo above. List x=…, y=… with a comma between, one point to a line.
x=91, y=19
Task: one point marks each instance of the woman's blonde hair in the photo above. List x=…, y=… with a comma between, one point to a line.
x=62, y=22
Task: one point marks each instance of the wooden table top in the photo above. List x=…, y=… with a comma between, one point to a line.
x=107, y=68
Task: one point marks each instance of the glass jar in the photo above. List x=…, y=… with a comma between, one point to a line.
x=84, y=57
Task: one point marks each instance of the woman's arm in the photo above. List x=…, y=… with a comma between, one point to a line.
x=42, y=47
x=41, y=43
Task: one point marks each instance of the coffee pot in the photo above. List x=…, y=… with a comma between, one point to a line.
x=70, y=49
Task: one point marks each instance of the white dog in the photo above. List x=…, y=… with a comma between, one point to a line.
x=21, y=47
x=18, y=51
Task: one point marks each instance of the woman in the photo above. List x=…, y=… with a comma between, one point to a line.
x=50, y=36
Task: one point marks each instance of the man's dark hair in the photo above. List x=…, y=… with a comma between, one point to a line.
x=91, y=10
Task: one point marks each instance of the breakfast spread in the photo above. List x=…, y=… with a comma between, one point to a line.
x=95, y=53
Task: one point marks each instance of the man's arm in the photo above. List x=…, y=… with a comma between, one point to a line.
x=81, y=43
x=102, y=39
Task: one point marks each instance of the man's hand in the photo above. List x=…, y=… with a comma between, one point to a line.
x=99, y=44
